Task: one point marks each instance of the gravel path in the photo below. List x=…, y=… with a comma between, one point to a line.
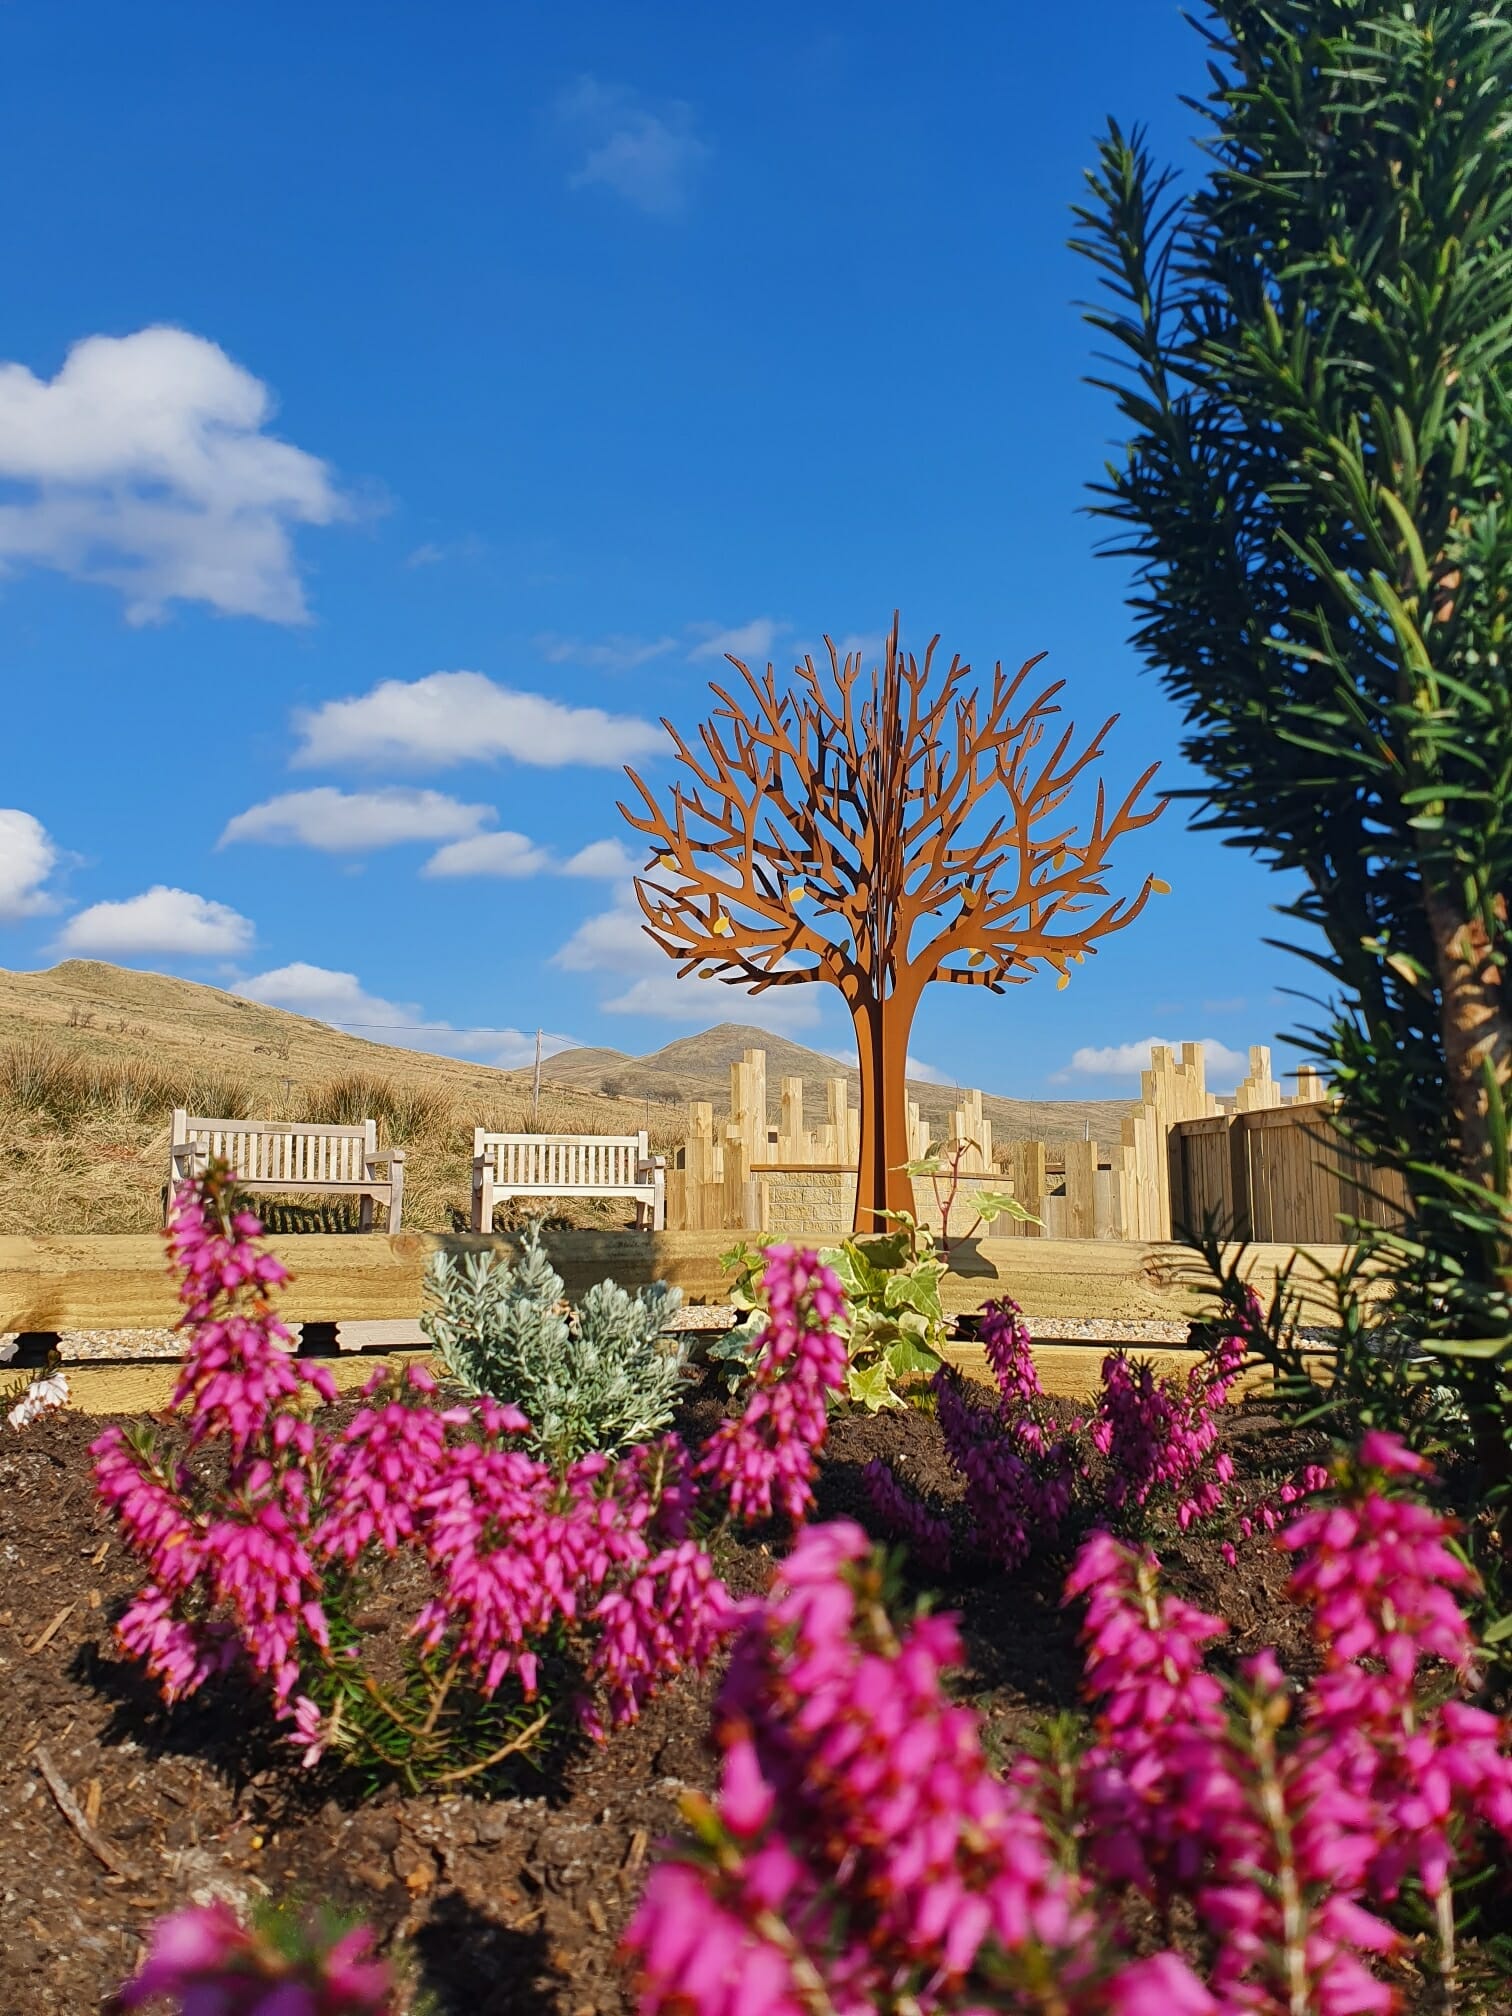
x=105, y=1345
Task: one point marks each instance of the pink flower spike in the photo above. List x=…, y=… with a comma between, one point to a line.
x=1380, y=1450
x=1163, y=1985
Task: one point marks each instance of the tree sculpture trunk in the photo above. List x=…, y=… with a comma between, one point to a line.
x=882, y=1030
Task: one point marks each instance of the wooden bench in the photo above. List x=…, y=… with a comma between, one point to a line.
x=299, y=1155
x=568, y=1165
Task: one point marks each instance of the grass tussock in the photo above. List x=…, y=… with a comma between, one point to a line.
x=404, y=1112
x=71, y=1088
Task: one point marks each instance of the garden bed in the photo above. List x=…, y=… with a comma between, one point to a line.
x=514, y=1903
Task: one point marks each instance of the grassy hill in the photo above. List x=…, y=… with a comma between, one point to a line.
x=94, y=1057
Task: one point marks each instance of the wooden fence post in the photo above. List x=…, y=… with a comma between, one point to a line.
x=1081, y=1189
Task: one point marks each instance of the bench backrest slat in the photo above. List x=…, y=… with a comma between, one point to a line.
x=565, y=1162
x=279, y=1151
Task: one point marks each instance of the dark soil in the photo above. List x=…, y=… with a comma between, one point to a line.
x=509, y=1904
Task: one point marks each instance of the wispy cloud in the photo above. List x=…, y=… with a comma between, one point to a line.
x=464, y=717
x=605, y=654
x=430, y=553
x=746, y=640
x=28, y=856
x=327, y=995
x=648, y=154
x=160, y=920
x=355, y=822
x=614, y=943
x=146, y=466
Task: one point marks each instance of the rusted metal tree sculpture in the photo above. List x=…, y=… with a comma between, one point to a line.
x=877, y=836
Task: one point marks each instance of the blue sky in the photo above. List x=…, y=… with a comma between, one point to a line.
x=401, y=409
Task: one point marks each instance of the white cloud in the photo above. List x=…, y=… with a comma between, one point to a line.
x=1224, y=1067
x=747, y=640
x=463, y=717
x=506, y=854
x=603, y=861
x=926, y=1074
x=159, y=920
x=609, y=654
x=426, y=555
x=870, y=643
x=148, y=470
x=649, y=157
x=614, y=942
x=663, y=995
x=28, y=856
x=341, y=1000
x=351, y=822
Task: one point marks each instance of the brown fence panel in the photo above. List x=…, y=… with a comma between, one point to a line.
x=1278, y=1174
x=1201, y=1178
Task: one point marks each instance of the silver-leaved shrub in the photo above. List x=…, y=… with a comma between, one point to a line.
x=601, y=1378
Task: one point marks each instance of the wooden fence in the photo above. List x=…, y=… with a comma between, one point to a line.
x=1276, y=1173
x=1180, y=1152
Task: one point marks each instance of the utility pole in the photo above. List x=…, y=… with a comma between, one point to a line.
x=535, y=1101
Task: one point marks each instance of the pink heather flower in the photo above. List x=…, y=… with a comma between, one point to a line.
x=309, y=1733
x=1163, y=1985
x=1269, y=1514
x=1021, y=1468
x=671, y=1616
x=207, y=1963
x=1164, y=1435
x=862, y=1854
x=907, y=1518
x=1009, y=1351
x=1375, y=1781
x=246, y=1565
x=767, y=1457
x=1018, y=1482
x=1380, y=1450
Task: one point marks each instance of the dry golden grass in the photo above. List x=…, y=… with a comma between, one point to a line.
x=94, y=1058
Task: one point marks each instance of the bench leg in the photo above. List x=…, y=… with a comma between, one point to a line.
x=482, y=1198
x=396, y=1194
x=365, y=1212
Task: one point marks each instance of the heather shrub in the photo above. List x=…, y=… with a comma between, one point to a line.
x=602, y=1378
x=1252, y=1839
x=552, y=1594
x=1147, y=1455
x=204, y=1961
